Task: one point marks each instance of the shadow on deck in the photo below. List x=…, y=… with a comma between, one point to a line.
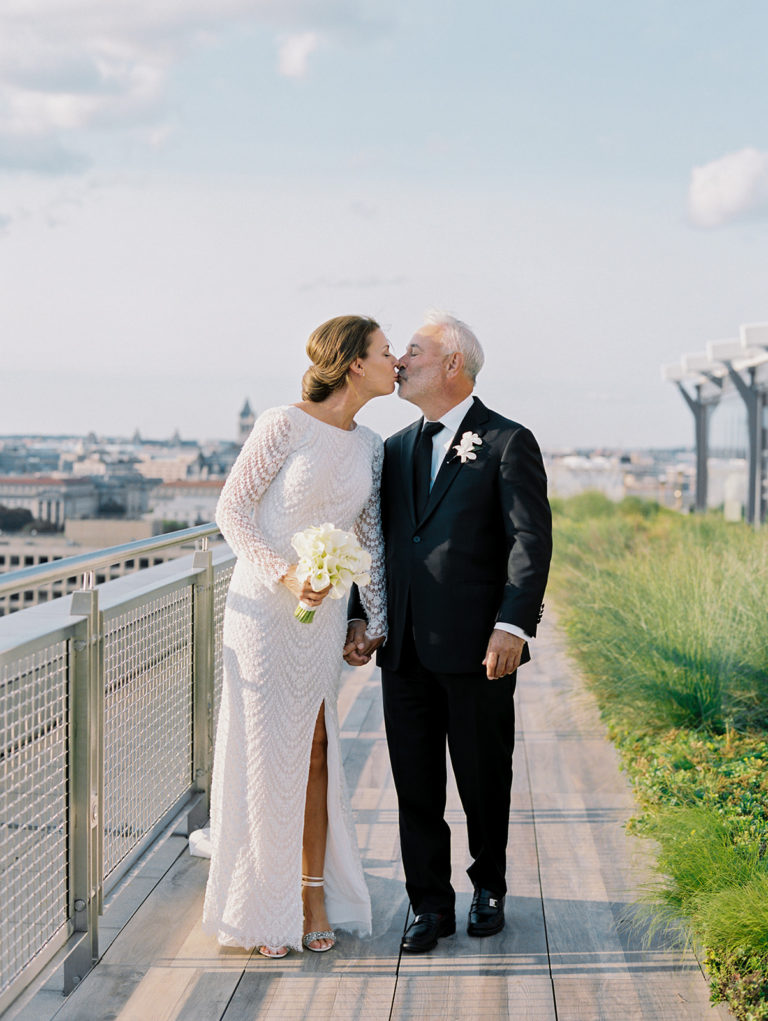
x=565, y=954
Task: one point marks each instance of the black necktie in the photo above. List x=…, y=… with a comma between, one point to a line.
x=422, y=465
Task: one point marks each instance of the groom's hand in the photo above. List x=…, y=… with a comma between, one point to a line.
x=503, y=654
x=359, y=648
x=356, y=644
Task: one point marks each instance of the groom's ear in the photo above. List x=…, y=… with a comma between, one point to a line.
x=455, y=364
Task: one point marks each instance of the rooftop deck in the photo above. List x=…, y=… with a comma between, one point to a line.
x=563, y=955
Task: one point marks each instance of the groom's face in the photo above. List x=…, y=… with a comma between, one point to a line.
x=422, y=368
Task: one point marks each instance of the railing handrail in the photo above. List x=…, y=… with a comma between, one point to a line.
x=43, y=574
x=136, y=662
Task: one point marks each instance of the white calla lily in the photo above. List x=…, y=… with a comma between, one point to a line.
x=329, y=556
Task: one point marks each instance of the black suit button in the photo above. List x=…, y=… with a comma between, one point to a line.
x=417, y=538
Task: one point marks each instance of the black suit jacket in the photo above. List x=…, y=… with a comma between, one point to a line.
x=480, y=552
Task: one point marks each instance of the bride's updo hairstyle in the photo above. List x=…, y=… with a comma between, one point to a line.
x=332, y=348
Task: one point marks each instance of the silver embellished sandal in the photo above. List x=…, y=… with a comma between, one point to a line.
x=273, y=952
x=312, y=937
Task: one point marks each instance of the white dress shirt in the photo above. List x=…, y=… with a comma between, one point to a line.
x=441, y=443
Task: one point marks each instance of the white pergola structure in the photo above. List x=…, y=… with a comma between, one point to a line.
x=734, y=366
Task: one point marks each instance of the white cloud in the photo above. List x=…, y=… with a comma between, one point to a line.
x=43, y=155
x=730, y=188
x=68, y=66
x=294, y=52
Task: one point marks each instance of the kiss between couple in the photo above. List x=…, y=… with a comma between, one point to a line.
x=453, y=511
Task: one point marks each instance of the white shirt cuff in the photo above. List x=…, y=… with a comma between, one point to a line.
x=511, y=629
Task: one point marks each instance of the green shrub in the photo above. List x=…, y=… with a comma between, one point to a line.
x=741, y=981
x=668, y=616
x=589, y=505
x=736, y=917
x=701, y=859
x=635, y=505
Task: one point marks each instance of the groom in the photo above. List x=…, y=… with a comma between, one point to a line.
x=468, y=540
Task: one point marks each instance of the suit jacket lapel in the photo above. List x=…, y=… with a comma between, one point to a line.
x=473, y=421
x=406, y=464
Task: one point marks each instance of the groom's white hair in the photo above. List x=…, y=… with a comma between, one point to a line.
x=457, y=336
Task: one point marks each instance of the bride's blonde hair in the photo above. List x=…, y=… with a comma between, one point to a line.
x=332, y=348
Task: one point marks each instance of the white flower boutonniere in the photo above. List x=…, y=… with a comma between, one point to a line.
x=465, y=449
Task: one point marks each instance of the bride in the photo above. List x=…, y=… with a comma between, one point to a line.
x=285, y=867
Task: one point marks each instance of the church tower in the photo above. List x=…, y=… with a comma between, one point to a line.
x=245, y=422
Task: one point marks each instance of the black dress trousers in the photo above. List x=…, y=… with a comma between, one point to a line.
x=421, y=710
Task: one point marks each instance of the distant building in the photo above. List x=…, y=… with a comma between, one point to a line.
x=169, y=467
x=20, y=457
x=123, y=495
x=661, y=475
x=574, y=473
x=217, y=459
x=192, y=501
x=245, y=422
x=50, y=499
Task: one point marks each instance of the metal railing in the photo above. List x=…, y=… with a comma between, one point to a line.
x=107, y=709
x=83, y=563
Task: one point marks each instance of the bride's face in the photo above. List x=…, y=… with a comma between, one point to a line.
x=379, y=365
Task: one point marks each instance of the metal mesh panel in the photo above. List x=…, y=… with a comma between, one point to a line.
x=220, y=586
x=147, y=718
x=34, y=703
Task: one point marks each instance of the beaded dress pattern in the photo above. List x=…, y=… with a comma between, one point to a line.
x=294, y=471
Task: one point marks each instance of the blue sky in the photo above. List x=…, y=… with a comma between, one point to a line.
x=188, y=188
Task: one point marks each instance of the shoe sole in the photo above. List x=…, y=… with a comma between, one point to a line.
x=472, y=931
x=448, y=931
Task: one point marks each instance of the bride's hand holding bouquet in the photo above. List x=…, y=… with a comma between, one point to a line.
x=332, y=560
x=302, y=589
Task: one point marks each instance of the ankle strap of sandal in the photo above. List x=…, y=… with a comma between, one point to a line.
x=312, y=881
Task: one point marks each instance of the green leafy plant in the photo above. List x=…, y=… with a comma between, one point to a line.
x=668, y=616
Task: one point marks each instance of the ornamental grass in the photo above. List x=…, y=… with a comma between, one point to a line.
x=668, y=616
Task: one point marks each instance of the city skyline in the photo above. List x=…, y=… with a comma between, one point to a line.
x=186, y=193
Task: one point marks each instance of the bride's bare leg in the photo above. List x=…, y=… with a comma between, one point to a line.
x=316, y=832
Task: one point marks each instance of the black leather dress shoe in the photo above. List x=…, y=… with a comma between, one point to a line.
x=425, y=930
x=486, y=916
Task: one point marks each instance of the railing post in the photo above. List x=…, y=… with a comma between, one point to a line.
x=86, y=805
x=202, y=680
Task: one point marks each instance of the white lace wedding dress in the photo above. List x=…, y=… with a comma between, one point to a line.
x=294, y=471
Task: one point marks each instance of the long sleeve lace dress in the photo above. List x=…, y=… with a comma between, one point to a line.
x=294, y=471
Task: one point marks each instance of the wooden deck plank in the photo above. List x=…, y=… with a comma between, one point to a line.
x=357, y=690
x=357, y=979
x=162, y=954
x=121, y=904
x=500, y=976
x=591, y=869
x=572, y=871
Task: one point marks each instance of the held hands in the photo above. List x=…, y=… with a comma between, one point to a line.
x=503, y=654
x=302, y=589
x=358, y=648
x=501, y=658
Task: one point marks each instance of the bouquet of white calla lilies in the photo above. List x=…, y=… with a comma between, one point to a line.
x=329, y=556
